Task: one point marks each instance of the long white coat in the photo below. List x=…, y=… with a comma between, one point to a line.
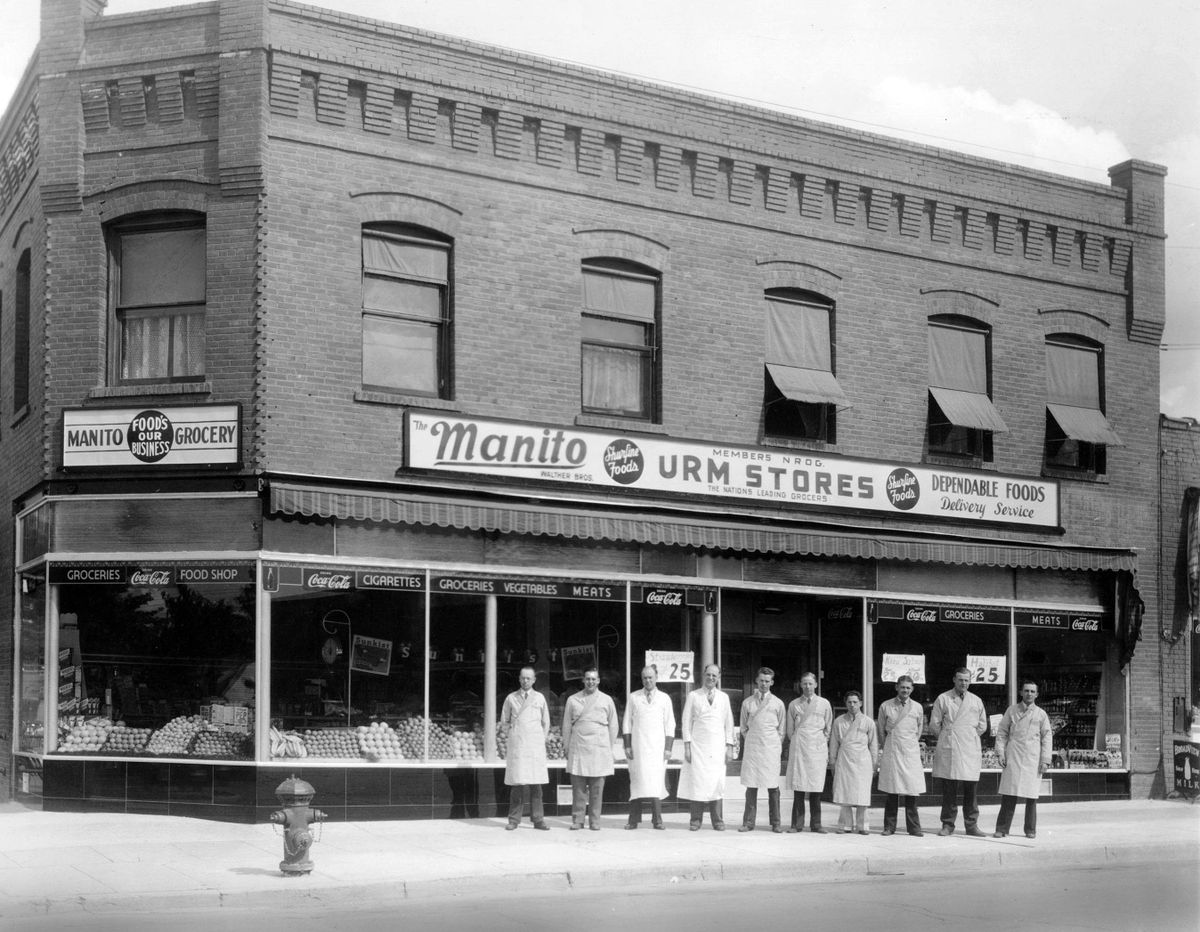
x=809, y=725
x=1025, y=741
x=526, y=717
x=709, y=728
x=899, y=730
x=649, y=722
x=958, y=725
x=853, y=749
x=763, y=725
x=589, y=728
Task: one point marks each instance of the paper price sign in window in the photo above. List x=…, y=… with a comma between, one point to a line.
x=673, y=666
x=987, y=670
x=896, y=665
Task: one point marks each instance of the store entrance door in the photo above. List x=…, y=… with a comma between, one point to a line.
x=742, y=657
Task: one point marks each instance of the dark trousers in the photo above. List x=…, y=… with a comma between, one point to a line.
x=752, y=806
x=635, y=811
x=814, y=800
x=587, y=795
x=517, y=796
x=912, y=819
x=1008, y=805
x=716, y=812
x=950, y=791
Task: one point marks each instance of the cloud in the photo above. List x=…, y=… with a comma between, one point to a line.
x=1022, y=131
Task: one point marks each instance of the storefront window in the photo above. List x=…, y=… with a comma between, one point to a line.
x=841, y=649
x=666, y=620
x=156, y=660
x=1065, y=654
x=347, y=664
x=32, y=687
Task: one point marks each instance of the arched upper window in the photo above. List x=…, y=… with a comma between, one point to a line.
x=619, y=339
x=158, y=269
x=406, y=310
x=21, y=320
x=801, y=393
x=961, y=416
x=1077, y=432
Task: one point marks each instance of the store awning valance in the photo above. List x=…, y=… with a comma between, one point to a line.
x=678, y=530
x=815, y=386
x=968, y=409
x=1085, y=424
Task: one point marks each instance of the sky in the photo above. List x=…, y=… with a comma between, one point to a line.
x=1070, y=86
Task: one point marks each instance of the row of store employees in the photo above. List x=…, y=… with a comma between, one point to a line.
x=848, y=744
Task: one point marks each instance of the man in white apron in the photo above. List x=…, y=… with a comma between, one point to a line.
x=589, y=728
x=809, y=721
x=708, y=742
x=762, y=722
x=526, y=720
x=1025, y=746
x=901, y=773
x=649, y=734
x=958, y=719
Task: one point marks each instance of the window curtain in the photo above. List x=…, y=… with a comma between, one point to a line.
x=162, y=346
x=618, y=296
x=162, y=267
x=403, y=259
x=958, y=359
x=613, y=379
x=798, y=335
x=1073, y=376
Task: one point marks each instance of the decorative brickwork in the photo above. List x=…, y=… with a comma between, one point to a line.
x=464, y=127
x=509, y=130
x=779, y=189
x=704, y=175
x=812, y=197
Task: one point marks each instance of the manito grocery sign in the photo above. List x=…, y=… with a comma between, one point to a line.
x=501, y=449
x=185, y=435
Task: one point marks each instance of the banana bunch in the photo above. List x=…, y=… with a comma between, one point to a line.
x=287, y=744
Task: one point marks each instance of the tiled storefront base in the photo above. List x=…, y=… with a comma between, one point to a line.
x=246, y=792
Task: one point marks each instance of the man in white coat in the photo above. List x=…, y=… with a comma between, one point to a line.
x=809, y=723
x=526, y=719
x=649, y=734
x=762, y=722
x=1025, y=746
x=708, y=742
x=589, y=728
x=899, y=725
x=958, y=719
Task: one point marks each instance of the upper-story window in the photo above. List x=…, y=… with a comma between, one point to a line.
x=1077, y=432
x=801, y=394
x=961, y=416
x=21, y=318
x=619, y=340
x=157, y=271
x=406, y=311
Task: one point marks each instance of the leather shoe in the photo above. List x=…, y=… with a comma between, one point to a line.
x=946, y=830
x=719, y=827
x=793, y=830
x=594, y=827
x=777, y=829
x=818, y=830
x=630, y=826
x=659, y=826
x=746, y=828
x=975, y=832
x=888, y=831
x=999, y=834
x=693, y=826
x=541, y=826
x=863, y=831
x=511, y=827
x=1031, y=834
x=575, y=826
x=917, y=834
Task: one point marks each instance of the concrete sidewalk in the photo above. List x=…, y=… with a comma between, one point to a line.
x=65, y=862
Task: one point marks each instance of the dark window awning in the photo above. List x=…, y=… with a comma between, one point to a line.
x=815, y=386
x=697, y=531
x=1084, y=424
x=968, y=409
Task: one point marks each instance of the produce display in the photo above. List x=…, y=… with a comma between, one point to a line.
x=221, y=745
x=379, y=741
x=80, y=734
x=176, y=736
x=287, y=744
x=125, y=740
x=554, y=744
x=331, y=742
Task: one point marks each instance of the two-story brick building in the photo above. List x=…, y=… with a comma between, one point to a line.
x=348, y=368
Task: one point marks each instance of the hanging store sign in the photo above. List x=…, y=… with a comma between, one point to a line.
x=193, y=435
x=499, y=449
x=987, y=670
x=933, y=613
x=530, y=588
x=150, y=575
x=1063, y=621
x=370, y=655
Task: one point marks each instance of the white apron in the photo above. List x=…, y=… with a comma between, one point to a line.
x=709, y=727
x=528, y=723
x=853, y=749
x=649, y=723
x=1025, y=740
x=958, y=755
x=589, y=729
x=899, y=730
x=762, y=726
x=808, y=728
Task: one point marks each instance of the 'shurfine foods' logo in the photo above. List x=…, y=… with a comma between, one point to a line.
x=663, y=597
x=151, y=436
x=624, y=461
x=1085, y=624
x=150, y=578
x=329, y=581
x=921, y=614
x=903, y=489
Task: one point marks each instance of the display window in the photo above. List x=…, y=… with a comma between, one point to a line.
x=31, y=688
x=155, y=660
x=1066, y=655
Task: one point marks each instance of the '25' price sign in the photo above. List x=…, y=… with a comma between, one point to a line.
x=989, y=671
x=673, y=666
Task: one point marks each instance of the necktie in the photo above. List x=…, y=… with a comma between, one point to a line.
x=710, y=697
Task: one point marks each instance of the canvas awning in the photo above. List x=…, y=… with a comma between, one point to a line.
x=1084, y=424
x=968, y=409
x=815, y=386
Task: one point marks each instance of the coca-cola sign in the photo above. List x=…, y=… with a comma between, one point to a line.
x=327, y=580
x=921, y=614
x=664, y=597
x=1085, y=624
x=150, y=578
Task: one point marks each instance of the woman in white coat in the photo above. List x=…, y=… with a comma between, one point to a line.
x=853, y=751
x=708, y=740
x=809, y=724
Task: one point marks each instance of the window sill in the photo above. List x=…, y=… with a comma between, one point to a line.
x=152, y=388
x=1077, y=475
x=19, y=415
x=406, y=401
x=957, y=462
x=797, y=443
x=618, y=423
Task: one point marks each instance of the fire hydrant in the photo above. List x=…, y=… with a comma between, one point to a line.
x=295, y=817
